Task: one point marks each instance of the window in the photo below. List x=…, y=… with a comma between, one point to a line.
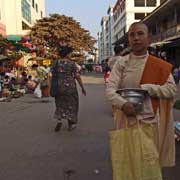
x=151, y=3
x=33, y=3
x=178, y=15
x=36, y=7
x=139, y=16
x=153, y=29
x=25, y=26
x=26, y=12
x=164, y=24
x=139, y=3
x=41, y=14
x=162, y=1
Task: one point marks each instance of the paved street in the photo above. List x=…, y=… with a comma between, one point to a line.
x=31, y=150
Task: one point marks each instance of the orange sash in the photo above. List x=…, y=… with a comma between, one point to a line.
x=156, y=71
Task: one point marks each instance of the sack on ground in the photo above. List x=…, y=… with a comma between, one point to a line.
x=37, y=91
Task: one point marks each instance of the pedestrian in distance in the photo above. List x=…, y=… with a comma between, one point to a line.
x=106, y=71
x=66, y=96
x=83, y=67
x=143, y=71
x=118, y=49
x=41, y=76
x=175, y=75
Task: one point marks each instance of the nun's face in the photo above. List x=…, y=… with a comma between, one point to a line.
x=138, y=38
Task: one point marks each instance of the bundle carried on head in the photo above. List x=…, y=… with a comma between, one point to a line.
x=65, y=50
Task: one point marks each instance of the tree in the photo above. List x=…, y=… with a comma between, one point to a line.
x=60, y=30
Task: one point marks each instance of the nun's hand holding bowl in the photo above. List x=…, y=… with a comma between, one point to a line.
x=129, y=109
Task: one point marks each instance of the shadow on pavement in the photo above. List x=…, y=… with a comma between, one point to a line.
x=93, y=78
x=173, y=173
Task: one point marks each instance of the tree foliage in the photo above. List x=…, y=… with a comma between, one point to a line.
x=60, y=30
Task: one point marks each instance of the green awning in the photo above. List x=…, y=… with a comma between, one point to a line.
x=13, y=38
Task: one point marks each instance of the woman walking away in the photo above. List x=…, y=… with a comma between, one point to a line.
x=66, y=97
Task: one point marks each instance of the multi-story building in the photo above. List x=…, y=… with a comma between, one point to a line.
x=116, y=24
x=99, y=35
x=128, y=11
x=110, y=31
x=18, y=16
x=164, y=26
x=104, y=39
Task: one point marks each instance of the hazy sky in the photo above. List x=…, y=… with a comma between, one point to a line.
x=87, y=12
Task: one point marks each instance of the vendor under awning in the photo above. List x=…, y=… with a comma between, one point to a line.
x=13, y=38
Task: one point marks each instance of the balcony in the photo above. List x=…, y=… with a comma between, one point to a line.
x=169, y=33
x=166, y=35
x=156, y=38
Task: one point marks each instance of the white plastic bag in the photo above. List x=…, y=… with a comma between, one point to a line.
x=37, y=91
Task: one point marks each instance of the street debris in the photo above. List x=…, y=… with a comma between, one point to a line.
x=67, y=173
x=96, y=171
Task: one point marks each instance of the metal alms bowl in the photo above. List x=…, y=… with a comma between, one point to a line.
x=134, y=95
